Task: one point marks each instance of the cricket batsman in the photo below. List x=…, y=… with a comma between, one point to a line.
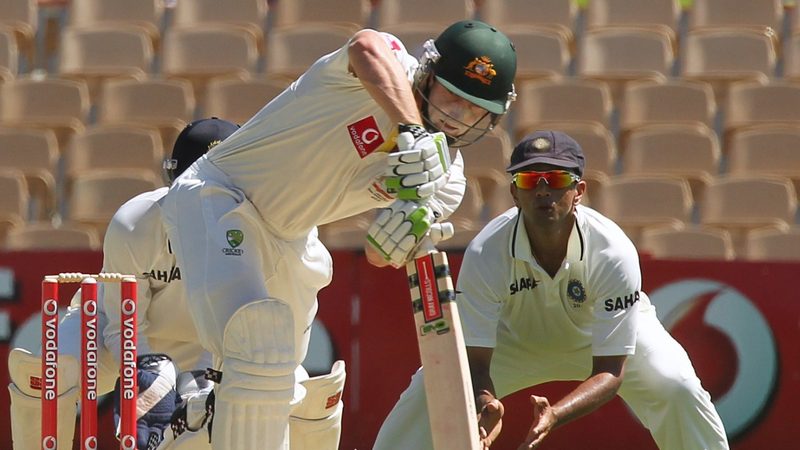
x=242, y=220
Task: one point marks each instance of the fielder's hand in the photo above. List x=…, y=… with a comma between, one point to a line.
x=490, y=421
x=156, y=402
x=416, y=170
x=400, y=229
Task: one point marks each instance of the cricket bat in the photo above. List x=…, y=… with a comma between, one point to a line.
x=448, y=385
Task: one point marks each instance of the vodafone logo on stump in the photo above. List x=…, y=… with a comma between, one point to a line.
x=722, y=330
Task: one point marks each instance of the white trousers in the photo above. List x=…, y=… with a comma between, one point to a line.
x=229, y=259
x=660, y=386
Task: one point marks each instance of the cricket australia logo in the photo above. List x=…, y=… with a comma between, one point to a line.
x=576, y=293
x=481, y=69
x=235, y=239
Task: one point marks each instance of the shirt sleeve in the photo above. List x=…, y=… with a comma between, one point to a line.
x=617, y=291
x=446, y=200
x=478, y=304
x=127, y=253
x=334, y=68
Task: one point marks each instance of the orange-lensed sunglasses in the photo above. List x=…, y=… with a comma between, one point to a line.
x=555, y=179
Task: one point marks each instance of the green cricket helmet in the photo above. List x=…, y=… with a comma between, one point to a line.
x=478, y=63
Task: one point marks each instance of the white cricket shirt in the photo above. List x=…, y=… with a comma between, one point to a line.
x=136, y=243
x=314, y=154
x=506, y=298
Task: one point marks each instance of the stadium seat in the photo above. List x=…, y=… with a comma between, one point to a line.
x=687, y=242
x=754, y=104
x=21, y=17
x=791, y=68
x=35, y=153
x=557, y=15
x=766, y=150
x=237, y=99
x=485, y=164
x=598, y=144
x=637, y=201
x=165, y=104
x=44, y=236
x=8, y=55
x=618, y=56
x=96, y=54
x=569, y=100
x=413, y=35
x=722, y=56
x=687, y=151
x=51, y=103
x=441, y=12
x=596, y=181
x=96, y=195
x=7, y=223
x=198, y=54
x=497, y=196
x=146, y=14
x=292, y=50
x=541, y=52
x=740, y=203
x=773, y=244
x=350, y=13
x=246, y=15
x=656, y=15
x=673, y=101
x=119, y=147
x=15, y=201
x=488, y=156
x=753, y=14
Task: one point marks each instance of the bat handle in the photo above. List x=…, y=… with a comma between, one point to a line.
x=437, y=233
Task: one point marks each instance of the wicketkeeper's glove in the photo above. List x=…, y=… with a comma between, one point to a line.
x=156, y=401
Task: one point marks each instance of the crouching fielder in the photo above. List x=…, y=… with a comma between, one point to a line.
x=135, y=243
x=551, y=290
x=314, y=424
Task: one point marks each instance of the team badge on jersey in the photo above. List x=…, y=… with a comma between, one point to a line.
x=576, y=292
x=235, y=239
x=365, y=135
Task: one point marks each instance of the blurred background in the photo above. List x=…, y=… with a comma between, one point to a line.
x=688, y=112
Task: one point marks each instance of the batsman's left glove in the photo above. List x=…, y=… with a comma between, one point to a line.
x=156, y=402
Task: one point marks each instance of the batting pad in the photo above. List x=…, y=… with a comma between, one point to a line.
x=256, y=394
x=26, y=406
x=316, y=423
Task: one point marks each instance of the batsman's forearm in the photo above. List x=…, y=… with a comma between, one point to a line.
x=383, y=77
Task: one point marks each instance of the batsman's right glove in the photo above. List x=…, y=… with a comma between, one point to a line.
x=399, y=230
x=416, y=170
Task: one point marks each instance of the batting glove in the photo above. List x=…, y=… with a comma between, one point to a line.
x=400, y=229
x=192, y=414
x=416, y=170
x=156, y=401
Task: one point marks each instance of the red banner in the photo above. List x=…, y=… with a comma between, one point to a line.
x=737, y=320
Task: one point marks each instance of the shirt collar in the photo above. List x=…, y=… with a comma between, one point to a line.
x=520, y=247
